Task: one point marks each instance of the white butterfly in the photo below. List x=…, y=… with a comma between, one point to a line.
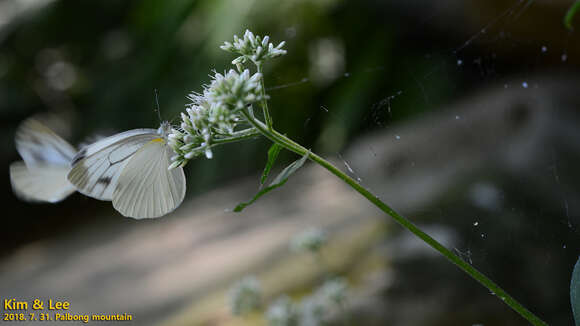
x=41, y=177
x=131, y=169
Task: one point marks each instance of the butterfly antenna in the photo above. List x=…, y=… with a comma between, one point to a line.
x=157, y=104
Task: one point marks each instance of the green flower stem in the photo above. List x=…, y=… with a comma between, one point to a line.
x=264, y=102
x=287, y=143
x=234, y=137
x=237, y=136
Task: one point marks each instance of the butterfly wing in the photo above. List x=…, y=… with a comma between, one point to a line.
x=39, y=146
x=97, y=167
x=41, y=184
x=146, y=188
x=41, y=177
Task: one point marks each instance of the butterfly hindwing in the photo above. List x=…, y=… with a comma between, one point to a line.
x=40, y=184
x=146, y=188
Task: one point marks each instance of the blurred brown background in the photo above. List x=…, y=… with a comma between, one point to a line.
x=461, y=115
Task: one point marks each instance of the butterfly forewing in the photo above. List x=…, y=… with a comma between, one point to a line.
x=97, y=167
x=102, y=144
x=146, y=188
x=39, y=146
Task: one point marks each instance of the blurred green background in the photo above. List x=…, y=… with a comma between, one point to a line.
x=352, y=68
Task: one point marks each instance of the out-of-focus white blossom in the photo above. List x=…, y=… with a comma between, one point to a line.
x=311, y=240
x=282, y=312
x=334, y=291
x=245, y=296
x=324, y=304
x=313, y=311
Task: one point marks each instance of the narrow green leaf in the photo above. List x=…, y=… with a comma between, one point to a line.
x=575, y=292
x=279, y=181
x=570, y=14
x=272, y=155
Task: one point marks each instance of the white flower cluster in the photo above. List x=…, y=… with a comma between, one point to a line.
x=311, y=240
x=214, y=114
x=234, y=90
x=334, y=291
x=283, y=312
x=253, y=48
x=245, y=296
x=325, y=304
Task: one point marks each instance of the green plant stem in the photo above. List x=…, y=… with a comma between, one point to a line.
x=264, y=102
x=237, y=136
x=234, y=137
x=570, y=14
x=289, y=144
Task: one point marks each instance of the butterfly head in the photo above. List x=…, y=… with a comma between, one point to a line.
x=165, y=129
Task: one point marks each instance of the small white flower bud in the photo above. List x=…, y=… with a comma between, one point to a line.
x=238, y=60
x=250, y=37
x=174, y=165
x=208, y=154
x=265, y=41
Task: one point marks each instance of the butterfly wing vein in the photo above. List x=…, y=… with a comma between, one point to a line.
x=97, y=168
